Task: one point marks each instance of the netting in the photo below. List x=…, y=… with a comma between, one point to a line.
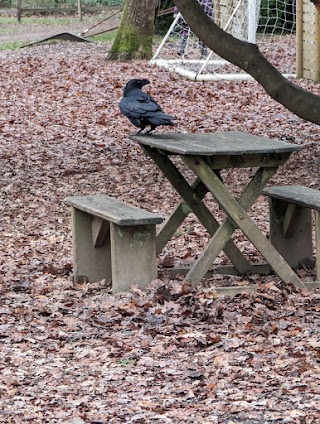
x=269, y=23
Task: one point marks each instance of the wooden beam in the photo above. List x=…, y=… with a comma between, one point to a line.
x=317, y=231
x=224, y=233
x=89, y=263
x=179, y=214
x=234, y=290
x=317, y=45
x=287, y=218
x=247, y=161
x=238, y=219
x=133, y=256
x=299, y=39
x=170, y=227
x=260, y=269
x=194, y=202
x=100, y=231
x=19, y=10
x=80, y=10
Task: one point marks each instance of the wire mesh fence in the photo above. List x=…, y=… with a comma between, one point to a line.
x=56, y=7
x=270, y=24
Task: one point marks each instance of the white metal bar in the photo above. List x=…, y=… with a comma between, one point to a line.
x=252, y=19
x=224, y=29
x=166, y=36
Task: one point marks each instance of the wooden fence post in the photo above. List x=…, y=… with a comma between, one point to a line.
x=19, y=10
x=308, y=41
x=80, y=10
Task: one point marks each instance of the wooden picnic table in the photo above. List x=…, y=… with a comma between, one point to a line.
x=206, y=155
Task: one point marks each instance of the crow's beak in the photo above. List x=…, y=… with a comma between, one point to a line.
x=144, y=82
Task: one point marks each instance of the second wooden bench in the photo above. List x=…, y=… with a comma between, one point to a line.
x=113, y=241
x=291, y=223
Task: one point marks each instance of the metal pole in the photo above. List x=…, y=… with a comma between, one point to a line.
x=166, y=37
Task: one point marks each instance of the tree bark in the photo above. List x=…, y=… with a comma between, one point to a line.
x=135, y=34
x=249, y=58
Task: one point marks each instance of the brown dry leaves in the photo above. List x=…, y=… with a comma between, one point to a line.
x=76, y=354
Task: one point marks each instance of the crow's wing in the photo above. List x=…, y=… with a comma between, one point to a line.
x=138, y=104
x=159, y=118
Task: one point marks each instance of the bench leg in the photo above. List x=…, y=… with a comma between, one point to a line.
x=293, y=239
x=133, y=256
x=90, y=263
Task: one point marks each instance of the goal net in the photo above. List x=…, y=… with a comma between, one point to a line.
x=268, y=23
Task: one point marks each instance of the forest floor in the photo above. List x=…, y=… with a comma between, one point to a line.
x=74, y=353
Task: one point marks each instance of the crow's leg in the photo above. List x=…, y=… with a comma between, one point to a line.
x=152, y=128
x=142, y=127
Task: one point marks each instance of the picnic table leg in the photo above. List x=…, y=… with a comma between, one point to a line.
x=194, y=202
x=238, y=218
x=177, y=217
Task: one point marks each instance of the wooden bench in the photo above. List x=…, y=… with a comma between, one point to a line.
x=113, y=241
x=291, y=223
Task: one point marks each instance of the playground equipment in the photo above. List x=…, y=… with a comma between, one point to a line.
x=255, y=22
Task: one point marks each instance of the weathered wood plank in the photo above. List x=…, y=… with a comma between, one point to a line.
x=171, y=225
x=179, y=214
x=234, y=290
x=295, y=243
x=90, y=263
x=194, y=202
x=217, y=143
x=317, y=237
x=112, y=210
x=248, y=161
x=299, y=195
x=100, y=231
x=287, y=218
x=261, y=269
x=236, y=211
x=133, y=256
x=226, y=230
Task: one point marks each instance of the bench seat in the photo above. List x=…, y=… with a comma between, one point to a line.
x=112, y=210
x=296, y=194
x=113, y=241
x=291, y=223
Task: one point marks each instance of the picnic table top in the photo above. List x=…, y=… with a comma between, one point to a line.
x=228, y=143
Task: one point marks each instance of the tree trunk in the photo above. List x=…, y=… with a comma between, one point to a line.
x=249, y=58
x=135, y=34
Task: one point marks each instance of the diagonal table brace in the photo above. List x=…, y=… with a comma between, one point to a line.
x=177, y=217
x=194, y=202
x=238, y=218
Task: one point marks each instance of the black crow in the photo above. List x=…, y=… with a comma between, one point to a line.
x=140, y=108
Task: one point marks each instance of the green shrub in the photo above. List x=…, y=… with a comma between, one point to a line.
x=6, y=3
x=163, y=23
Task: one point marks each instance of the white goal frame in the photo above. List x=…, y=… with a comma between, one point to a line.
x=177, y=65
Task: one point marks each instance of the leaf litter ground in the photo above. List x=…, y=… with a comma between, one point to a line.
x=73, y=353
